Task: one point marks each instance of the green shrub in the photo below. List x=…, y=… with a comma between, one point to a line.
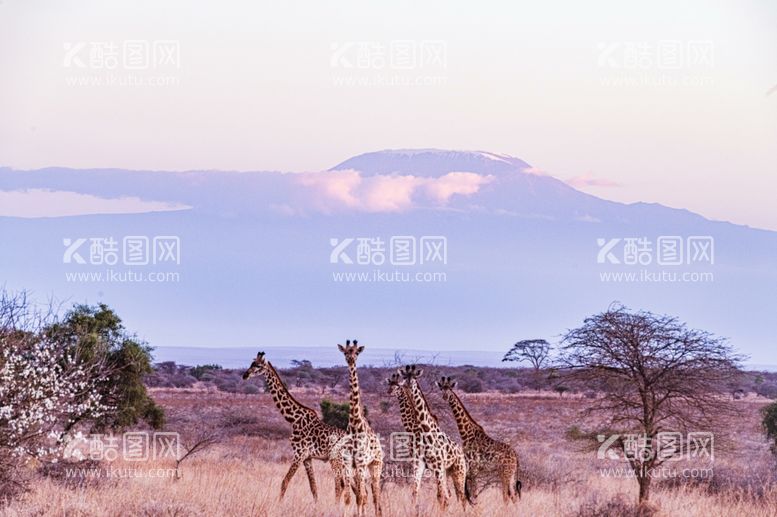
x=337, y=414
x=198, y=371
x=101, y=343
x=154, y=416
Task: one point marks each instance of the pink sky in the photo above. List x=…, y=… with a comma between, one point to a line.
x=664, y=105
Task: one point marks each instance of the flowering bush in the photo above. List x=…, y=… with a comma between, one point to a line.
x=44, y=391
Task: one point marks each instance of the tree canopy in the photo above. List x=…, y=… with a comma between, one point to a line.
x=534, y=351
x=98, y=338
x=659, y=376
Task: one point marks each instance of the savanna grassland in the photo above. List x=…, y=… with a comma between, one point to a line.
x=240, y=474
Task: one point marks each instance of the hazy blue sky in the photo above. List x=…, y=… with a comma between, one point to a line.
x=663, y=101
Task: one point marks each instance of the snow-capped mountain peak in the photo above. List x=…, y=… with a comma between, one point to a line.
x=431, y=162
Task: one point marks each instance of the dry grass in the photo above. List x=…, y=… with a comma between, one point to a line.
x=242, y=474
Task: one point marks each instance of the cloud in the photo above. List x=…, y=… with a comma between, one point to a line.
x=388, y=193
x=462, y=183
x=333, y=191
x=588, y=180
x=36, y=203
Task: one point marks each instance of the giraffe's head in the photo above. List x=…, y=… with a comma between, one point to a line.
x=411, y=372
x=258, y=366
x=351, y=351
x=394, y=384
x=446, y=385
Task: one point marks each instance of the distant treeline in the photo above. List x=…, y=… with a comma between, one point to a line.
x=470, y=379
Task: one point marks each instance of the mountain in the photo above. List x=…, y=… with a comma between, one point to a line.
x=509, y=187
x=432, y=162
x=526, y=255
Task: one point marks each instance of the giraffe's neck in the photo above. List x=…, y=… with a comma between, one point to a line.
x=289, y=407
x=424, y=416
x=356, y=421
x=406, y=409
x=468, y=428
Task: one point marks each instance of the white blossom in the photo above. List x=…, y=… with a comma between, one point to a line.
x=39, y=398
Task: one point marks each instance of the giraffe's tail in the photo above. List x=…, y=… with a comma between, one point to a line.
x=518, y=484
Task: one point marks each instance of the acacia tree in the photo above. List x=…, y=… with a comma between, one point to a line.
x=660, y=376
x=533, y=351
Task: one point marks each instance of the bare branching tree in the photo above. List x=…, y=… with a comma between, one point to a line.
x=534, y=351
x=193, y=445
x=334, y=378
x=659, y=376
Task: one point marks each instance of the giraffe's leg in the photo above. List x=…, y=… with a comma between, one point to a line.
x=308, y=464
x=338, y=479
x=345, y=479
x=376, y=468
x=442, y=487
x=471, y=485
x=364, y=489
x=507, y=489
x=342, y=481
x=340, y=459
x=459, y=474
x=360, y=489
x=290, y=474
x=513, y=486
x=353, y=480
x=418, y=475
x=515, y=482
x=357, y=488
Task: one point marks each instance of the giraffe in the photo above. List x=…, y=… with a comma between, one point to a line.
x=311, y=438
x=437, y=452
x=410, y=423
x=364, y=447
x=484, y=454
x=406, y=409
